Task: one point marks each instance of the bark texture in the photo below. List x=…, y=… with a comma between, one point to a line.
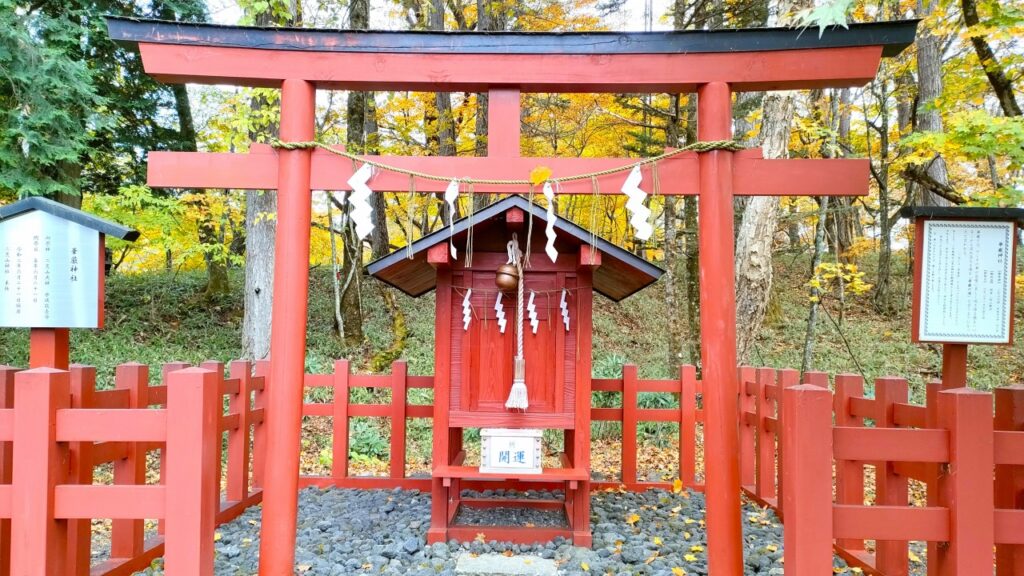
x=756, y=232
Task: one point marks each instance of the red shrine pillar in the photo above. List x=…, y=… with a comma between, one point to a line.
x=288, y=333
x=718, y=334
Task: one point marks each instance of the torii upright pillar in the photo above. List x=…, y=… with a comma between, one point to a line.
x=718, y=332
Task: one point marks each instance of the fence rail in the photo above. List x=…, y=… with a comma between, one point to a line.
x=969, y=459
x=399, y=410
x=121, y=427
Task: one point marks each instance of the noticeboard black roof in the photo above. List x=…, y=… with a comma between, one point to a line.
x=964, y=213
x=68, y=213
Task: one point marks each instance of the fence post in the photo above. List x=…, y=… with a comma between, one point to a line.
x=807, y=440
x=339, y=461
x=849, y=473
x=6, y=402
x=788, y=378
x=965, y=487
x=165, y=370
x=748, y=404
x=891, y=489
x=765, y=436
x=688, y=425
x=399, y=371
x=238, y=439
x=932, y=469
x=218, y=367
x=83, y=388
x=630, y=385
x=127, y=537
x=1009, y=487
x=38, y=540
x=193, y=409
x=259, y=430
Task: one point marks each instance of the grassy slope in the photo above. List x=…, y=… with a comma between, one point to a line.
x=155, y=318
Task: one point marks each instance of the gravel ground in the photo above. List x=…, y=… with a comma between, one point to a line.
x=383, y=532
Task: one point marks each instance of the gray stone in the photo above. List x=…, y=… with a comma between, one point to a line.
x=500, y=565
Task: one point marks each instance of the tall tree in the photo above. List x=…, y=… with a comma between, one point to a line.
x=261, y=205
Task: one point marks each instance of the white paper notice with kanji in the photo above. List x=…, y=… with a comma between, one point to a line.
x=967, y=274
x=50, y=273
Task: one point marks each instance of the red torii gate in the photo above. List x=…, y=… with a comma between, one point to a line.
x=714, y=64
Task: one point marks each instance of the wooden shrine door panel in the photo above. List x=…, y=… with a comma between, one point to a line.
x=484, y=358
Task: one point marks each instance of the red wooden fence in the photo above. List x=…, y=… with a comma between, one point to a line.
x=341, y=381
x=971, y=461
x=120, y=429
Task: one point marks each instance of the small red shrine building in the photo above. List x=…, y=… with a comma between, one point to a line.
x=473, y=361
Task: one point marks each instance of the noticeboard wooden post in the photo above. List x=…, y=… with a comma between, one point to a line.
x=52, y=278
x=964, y=272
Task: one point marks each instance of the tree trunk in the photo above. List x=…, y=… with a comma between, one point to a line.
x=757, y=231
x=260, y=237
x=997, y=78
x=929, y=88
x=845, y=212
x=812, y=314
x=209, y=229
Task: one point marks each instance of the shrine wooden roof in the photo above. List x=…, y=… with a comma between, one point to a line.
x=620, y=274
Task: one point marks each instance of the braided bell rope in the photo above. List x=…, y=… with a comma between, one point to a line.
x=702, y=146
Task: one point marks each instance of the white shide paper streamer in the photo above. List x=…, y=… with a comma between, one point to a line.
x=467, y=310
x=549, y=231
x=500, y=310
x=532, y=312
x=361, y=212
x=635, y=204
x=565, y=309
x=451, y=194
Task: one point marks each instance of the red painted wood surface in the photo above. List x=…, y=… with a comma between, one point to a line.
x=1009, y=483
x=718, y=333
x=808, y=499
x=49, y=348
x=776, y=70
x=753, y=176
x=288, y=336
x=6, y=460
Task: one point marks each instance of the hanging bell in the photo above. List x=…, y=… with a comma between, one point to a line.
x=507, y=278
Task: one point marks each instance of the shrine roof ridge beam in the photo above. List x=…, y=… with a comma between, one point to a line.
x=752, y=174
x=813, y=63
x=892, y=36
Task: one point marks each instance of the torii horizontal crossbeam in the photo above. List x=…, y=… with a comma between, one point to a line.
x=754, y=59
x=752, y=174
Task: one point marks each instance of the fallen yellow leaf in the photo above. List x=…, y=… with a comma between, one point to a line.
x=677, y=571
x=585, y=566
x=690, y=558
x=632, y=519
x=677, y=485
x=657, y=541
x=696, y=548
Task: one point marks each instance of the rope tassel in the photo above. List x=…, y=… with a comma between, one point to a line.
x=518, y=397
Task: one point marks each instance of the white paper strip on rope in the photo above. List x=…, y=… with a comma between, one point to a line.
x=451, y=194
x=549, y=231
x=499, y=309
x=639, y=213
x=531, y=310
x=564, y=305
x=467, y=310
x=361, y=211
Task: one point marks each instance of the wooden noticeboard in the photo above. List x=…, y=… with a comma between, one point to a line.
x=52, y=273
x=964, y=281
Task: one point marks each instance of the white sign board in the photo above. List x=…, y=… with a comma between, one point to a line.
x=510, y=450
x=966, y=282
x=50, y=273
